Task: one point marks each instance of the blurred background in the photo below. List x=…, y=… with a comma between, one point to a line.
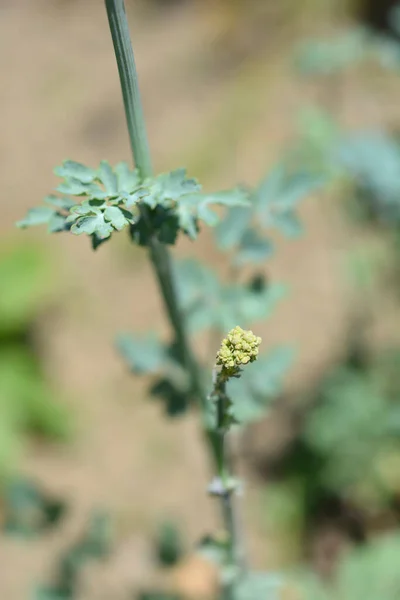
x=228, y=87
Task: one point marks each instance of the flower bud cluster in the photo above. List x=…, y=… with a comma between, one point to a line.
x=239, y=348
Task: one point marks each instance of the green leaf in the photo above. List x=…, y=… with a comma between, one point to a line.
x=74, y=170
x=49, y=593
x=73, y=187
x=169, y=229
x=325, y=57
x=116, y=217
x=94, y=224
x=259, y=586
x=205, y=214
x=176, y=398
x=234, y=197
x=188, y=219
x=108, y=178
x=87, y=207
x=158, y=595
x=143, y=354
x=63, y=203
x=259, y=385
x=175, y=184
x=289, y=224
x=195, y=283
x=57, y=223
x=246, y=304
x=25, y=280
x=37, y=216
x=279, y=194
x=253, y=248
x=127, y=179
x=28, y=511
x=169, y=544
x=213, y=549
x=232, y=227
x=270, y=370
x=269, y=188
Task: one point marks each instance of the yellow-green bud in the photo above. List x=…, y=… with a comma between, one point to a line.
x=239, y=348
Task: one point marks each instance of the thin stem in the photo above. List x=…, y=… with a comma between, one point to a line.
x=161, y=261
x=159, y=254
x=234, y=549
x=129, y=85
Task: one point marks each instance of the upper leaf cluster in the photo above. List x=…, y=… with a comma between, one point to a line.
x=98, y=202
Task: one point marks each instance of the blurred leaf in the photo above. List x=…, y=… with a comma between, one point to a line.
x=328, y=56
x=98, y=537
x=372, y=160
x=253, y=248
x=213, y=549
x=232, y=227
x=28, y=511
x=194, y=207
x=394, y=18
x=207, y=303
x=25, y=279
x=143, y=354
x=169, y=544
x=365, y=573
x=289, y=224
x=257, y=585
x=27, y=405
x=39, y=215
x=259, y=385
x=349, y=428
x=94, y=543
x=48, y=593
x=278, y=195
x=176, y=399
x=158, y=595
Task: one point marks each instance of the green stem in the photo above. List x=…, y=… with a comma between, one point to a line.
x=129, y=85
x=159, y=254
x=161, y=261
x=234, y=549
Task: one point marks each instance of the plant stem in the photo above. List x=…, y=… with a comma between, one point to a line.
x=159, y=254
x=234, y=549
x=162, y=265
x=129, y=85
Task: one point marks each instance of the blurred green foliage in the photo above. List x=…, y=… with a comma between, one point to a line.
x=94, y=544
x=28, y=510
x=370, y=572
x=27, y=404
x=169, y=544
